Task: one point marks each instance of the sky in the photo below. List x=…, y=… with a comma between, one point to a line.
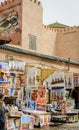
x=62, y=11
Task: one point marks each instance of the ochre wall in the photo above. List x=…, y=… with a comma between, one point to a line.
x=32, y=15
x=32, y=19
x=48, y=41
x=67, y=43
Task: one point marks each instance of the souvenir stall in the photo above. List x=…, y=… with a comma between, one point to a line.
x=36, y=97
x=61, y=84
x=12, y=85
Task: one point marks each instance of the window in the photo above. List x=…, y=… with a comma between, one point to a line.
x=32, y=42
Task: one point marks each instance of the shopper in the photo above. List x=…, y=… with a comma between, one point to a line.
x=2, y=113
x=74, y=95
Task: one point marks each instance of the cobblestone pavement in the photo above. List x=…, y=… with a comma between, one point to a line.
x=70, y=126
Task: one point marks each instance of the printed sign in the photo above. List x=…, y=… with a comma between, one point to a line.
x=31, y=105
x=10, y=125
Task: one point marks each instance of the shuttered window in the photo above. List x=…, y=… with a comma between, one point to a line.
x=32, y=42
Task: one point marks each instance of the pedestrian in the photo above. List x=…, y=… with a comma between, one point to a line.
x=2, y=113
x=74, y=95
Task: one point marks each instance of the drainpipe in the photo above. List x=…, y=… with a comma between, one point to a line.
x=68, y=64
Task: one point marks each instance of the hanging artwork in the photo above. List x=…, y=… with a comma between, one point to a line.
x=17, y=67
x=33, y=76
x=76, y=79
x=41, y=100
x=69, y=80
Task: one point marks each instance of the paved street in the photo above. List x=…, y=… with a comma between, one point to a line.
x=70, y=126
x=58, y=128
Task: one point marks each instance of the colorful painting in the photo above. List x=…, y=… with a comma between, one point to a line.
x=76, y=79
x=4, y=67
x=17, y=123
x=10, y=24
x=41, y=100
x=25, y=122
x=34, y=95
x=10, y=124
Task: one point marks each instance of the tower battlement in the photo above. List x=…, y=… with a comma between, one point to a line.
x=8, y=4
x=62, y=30
x=36, y=2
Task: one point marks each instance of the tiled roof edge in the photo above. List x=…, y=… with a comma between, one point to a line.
x=54, y=58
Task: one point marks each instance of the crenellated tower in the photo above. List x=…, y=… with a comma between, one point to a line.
x=11, y=21
x=22, y=20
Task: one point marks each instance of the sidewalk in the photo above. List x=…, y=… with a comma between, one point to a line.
x=65, y=126
x=71, y=125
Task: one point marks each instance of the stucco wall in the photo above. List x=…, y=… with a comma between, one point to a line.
x=67, y=44
x=48, y=41
x=32, y=15
x=32, y=19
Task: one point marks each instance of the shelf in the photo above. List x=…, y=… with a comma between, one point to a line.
x=68, y=88
x=2, y=81
x=57, y=100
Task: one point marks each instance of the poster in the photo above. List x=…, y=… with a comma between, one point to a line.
x=22, y=80
x=28, y=94
x=57, y=93
x=10, y=124
x=58, y=79
x=17, y=67
x=20, y=94
x=54, y=79
x=38, y=76
x=63, y=106
x=69, y=80
x=46, y=120
x=76, y=79
x=25, y=122
x=33, y=76
x=41, y=120
x=4, y=67
x=34, y=95
x=41, y=100
x=17, y=123
x=31, y=105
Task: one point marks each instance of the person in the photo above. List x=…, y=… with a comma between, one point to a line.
x=2, y=113
x=74, y=95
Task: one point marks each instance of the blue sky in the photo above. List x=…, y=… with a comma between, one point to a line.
x=63, y=11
